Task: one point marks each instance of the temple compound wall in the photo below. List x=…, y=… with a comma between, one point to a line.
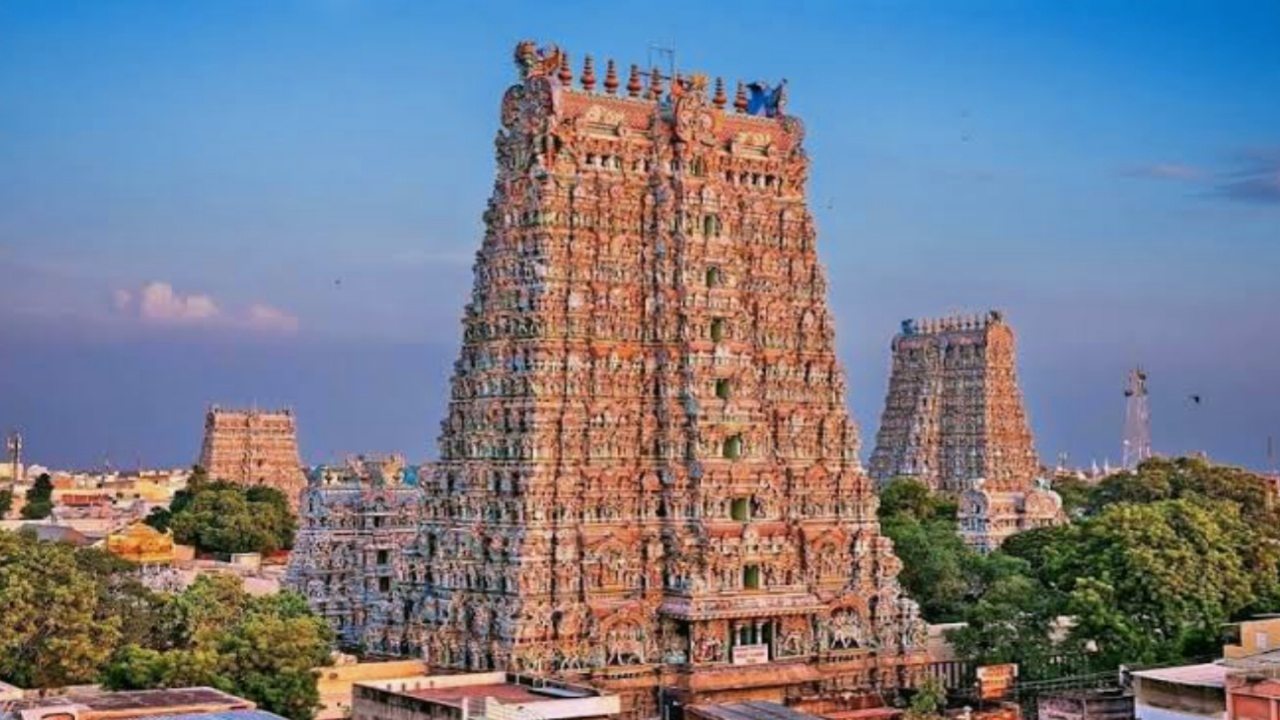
x=648, y=477
x=954, y=419
x=253, y=447
x=357, y=523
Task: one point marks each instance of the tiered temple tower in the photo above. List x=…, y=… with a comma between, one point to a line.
x=954, y=419
x=252, y=447
x=954, y=411
x=648, y=476
x=357, y=523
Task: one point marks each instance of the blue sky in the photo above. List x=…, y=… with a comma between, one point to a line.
x=184, y=184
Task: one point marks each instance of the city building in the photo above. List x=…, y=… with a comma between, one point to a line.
x=357, y=523
x=752, y=710
x=491, y=695
x=1086, y=704
x=1244, y=685
x=1253, y=696
x=954, y=419
x=1253, y=655
x=648, y=478
x=1187, y=692
x=254, y=447
x=335, y=682
x=46, y=531
x=91, y=704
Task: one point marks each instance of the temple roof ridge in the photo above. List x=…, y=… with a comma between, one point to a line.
x=756, y=99
x=956, y=322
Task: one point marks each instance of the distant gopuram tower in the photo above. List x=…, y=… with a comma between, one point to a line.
x=953, y=418
x=253, y=447
x=953, y=411
x=648, y=477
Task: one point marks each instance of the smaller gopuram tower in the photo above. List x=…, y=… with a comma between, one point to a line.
x=253, y=447
x=954, y=412
x=352, y=558
x=953, y=418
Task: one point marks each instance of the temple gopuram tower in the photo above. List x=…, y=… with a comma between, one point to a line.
x=954, y=419
x=357, y=524
x=954, y=411
x=252, y=447
x=648, y=477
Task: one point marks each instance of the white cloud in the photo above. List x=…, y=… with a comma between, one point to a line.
x=158, y=302
x=265, y=317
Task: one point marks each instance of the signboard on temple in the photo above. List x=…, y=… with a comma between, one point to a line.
x=751, y=654
x=995, y=682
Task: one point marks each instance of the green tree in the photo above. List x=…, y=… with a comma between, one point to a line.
x=1167, y=573
x=140, y=613
x=939, y=571
x=1155, y=561
x=906, y=498
x=1192, y=478
x=1010, y=623
x=75, y=616
x=218, y=516
x=927, y=700
x=264, y=649
x=934, y=565
x=52, y=628
x=39, y=503
x=159, y=518
x=1075, y=493
x=6, y=501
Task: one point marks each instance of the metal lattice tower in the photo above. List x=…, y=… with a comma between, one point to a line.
x=1137, y=420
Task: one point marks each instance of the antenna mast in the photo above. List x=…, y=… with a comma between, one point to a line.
x=669, y=53
x=1137, y=420
x=14, y=447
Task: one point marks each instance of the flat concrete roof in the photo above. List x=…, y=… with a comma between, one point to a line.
x=142, y=703
x=505, y=693
x=752, y=710
x=1202, y=675
x=228, y=715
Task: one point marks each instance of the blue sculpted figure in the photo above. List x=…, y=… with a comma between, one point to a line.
x=766, y=101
